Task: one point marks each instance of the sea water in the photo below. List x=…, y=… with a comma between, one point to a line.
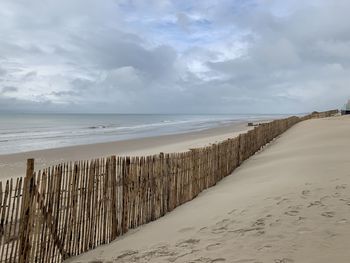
x=27, y=132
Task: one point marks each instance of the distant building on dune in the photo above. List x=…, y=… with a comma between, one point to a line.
x=346, y=108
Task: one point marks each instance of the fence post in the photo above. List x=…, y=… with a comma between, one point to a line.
x=27, y=213
x=114, y=189
x=126, y=182
x=163, y=183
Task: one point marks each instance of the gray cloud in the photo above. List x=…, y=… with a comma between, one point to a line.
x=8, y=89
x=2, y=72
x=170, y=56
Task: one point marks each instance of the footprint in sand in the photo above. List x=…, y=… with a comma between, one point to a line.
x=341, y=187
x=299, y=221
x=315, y=203
x=243, y=231
x=222, y=226
x=217, y=260
x=284, y=260
x=336, y=195
x=188, y=243
x=177, y=256
x=259, y=222
x=232, y=211
x=127, y=253
x=260, y=233
x=282, y=201
x=342, y=221
x=161, y=251
x=243, y=212
x=203, y=229
x=223, y=221
x=213, y=246
x=219, y=230
x=292, y=212
x=245, y=261
x=330, y=234
x=345, y=200
x=186, y=229
x=267, y=247
x=207, y=260
x=328, y=214
x=305, y=193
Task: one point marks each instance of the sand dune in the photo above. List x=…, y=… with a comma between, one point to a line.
x=288, y=203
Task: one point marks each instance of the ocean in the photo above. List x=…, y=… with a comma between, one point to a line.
x=28, y=132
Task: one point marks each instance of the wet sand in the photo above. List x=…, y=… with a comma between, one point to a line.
x=14, y=165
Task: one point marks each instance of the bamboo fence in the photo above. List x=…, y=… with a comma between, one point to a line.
x=70, y=208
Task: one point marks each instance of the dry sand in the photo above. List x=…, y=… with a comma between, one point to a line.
x=288, y=203
x=13, y=165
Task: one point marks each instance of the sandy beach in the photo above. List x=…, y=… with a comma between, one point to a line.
x=13, y=165
x=287, y=203
x=174, y=131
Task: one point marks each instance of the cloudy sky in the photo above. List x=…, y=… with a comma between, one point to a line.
x=183, y=56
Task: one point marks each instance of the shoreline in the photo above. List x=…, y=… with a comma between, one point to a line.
x=14, y=165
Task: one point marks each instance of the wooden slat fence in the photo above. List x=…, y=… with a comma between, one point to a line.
x=70, y=208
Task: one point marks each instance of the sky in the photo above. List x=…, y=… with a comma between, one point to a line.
x=183, y=56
